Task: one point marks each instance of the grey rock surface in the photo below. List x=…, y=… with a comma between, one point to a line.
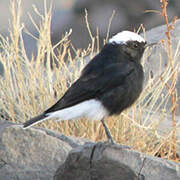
x=42, y=154
x=32, y=154
x=70, y=14
x=114, y=162
x=156, y=59
x=1, y=69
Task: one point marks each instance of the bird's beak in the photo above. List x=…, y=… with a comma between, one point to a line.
x=150, y=45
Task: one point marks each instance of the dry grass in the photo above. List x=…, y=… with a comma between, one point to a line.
x=32, y=85
x=171, y=87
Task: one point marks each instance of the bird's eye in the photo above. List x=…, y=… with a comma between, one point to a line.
x=135, y=45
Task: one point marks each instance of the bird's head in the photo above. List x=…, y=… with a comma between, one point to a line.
x=130, y=43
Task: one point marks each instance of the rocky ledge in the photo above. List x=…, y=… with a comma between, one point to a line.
x=43, y=155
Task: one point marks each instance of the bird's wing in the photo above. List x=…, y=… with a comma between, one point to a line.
x=93, y=84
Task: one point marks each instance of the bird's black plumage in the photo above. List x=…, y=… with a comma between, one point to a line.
x=114, y=77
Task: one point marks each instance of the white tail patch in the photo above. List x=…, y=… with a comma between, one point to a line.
x=91, y=109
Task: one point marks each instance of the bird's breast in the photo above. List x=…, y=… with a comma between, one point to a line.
x=123, y=96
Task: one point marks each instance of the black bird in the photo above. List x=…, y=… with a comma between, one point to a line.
x=110, y=83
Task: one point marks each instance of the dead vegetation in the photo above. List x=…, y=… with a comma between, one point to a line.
x=32, y=85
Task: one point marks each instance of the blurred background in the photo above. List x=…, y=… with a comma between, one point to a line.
x=68, y=14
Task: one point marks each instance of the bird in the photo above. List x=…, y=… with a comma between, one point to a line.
x=110, y=83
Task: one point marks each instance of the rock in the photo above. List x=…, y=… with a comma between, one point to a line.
x=115, y=162
x=156, y=59
x=31, y=154
x=37, y=153
x=70, y=14
x=1, y=69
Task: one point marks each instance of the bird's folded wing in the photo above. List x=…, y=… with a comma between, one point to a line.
x=92, y=85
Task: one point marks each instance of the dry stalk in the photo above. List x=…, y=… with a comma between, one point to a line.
x=170, y=27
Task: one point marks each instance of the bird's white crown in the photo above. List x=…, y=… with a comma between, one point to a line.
x=125, y=36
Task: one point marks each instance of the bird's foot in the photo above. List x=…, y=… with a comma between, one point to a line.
x=108, y=133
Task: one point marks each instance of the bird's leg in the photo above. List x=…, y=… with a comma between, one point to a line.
x=107, y=131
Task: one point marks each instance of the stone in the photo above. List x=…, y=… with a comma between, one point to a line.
x=156, y=59
x=116, y=162
x=29, y=154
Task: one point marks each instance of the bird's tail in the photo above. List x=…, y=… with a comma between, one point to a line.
x=35, y=120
